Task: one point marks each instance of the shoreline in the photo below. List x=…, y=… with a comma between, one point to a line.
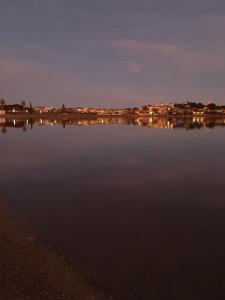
x=75, y=116
x=167, y=122
x=52, y=116
x=32, y=270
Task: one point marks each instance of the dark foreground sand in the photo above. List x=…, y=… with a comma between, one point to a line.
x=30, y=270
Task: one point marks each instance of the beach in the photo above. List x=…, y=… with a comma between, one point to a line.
x=31, y=270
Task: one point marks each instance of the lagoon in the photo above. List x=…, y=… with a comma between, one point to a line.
x=138, y=209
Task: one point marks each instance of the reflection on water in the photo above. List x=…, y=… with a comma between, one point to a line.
x=141, y=211
x=152, y=122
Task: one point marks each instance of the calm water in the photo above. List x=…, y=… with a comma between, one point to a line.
x=140, y=210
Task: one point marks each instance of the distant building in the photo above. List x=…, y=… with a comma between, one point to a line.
x=13, y=108
x=42, y=109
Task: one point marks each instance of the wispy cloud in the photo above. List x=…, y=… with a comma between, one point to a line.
x=38, y=82
x=171, y=52
x=133, y=67
x=22, y=70
x=142, y=47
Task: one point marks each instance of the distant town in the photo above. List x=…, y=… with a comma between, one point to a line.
x=171, y=109
x=189, y=115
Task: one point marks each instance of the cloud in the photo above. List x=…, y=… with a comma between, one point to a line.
x=133, y=67
x=48, y=84
x=180, y=53
x=142, y=47
x=22, y=70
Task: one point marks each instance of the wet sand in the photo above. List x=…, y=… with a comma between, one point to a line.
x=30, y=270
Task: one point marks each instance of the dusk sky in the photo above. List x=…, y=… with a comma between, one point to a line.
x=111, y=52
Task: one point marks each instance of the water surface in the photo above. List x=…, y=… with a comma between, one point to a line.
x=140, y=210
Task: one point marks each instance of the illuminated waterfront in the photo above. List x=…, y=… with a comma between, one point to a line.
x=188, y=123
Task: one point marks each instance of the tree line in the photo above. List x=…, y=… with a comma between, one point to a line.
x=22, y=106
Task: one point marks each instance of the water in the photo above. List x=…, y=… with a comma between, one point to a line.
x=140, y=210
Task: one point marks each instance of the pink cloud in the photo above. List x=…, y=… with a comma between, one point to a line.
x=134, y=67
x=13, y=68
x=181, y=53
x=142, y=47
x=34, y=81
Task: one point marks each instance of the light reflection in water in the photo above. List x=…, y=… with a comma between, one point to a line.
x=187, y=123
x=134, y=207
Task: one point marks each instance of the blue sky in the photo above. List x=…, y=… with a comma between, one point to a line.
x=111, y=52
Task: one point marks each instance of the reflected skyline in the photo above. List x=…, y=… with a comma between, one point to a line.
x=151, y=122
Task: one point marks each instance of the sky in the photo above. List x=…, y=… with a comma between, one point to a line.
x=112, y=53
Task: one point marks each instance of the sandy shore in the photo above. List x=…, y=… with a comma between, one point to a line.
x=30, y=270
